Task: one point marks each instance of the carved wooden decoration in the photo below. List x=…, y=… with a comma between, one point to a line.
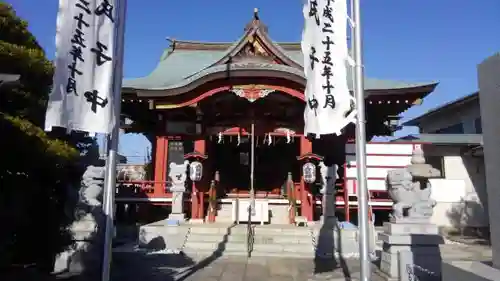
x=251, y=92
x=284, y=131
x=253, y=50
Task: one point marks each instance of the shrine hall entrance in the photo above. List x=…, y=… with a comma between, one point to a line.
x=275, y=157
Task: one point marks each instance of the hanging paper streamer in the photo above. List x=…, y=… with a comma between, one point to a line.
x=330, y=106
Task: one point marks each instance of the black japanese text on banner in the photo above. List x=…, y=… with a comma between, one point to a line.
x=329, y=105
x=82, y=97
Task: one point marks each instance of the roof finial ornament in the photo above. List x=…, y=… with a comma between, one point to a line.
x=172, y=42
x=256, y=13
x=256, y=22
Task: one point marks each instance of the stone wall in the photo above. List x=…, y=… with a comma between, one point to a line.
x=489, y=94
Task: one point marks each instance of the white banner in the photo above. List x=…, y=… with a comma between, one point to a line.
x=329, y=105
x=82, y=97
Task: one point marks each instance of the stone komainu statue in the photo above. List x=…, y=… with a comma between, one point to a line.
x=92, y=185
x=410, y=189
x=178, y=176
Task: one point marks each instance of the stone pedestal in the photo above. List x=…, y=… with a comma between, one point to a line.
x=410, y=249
x=328, y=203
x=328, y=176
x=177, y=216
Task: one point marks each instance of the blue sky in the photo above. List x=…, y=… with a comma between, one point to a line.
x=409, y=40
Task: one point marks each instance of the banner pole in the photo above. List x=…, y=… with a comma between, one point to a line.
x=110, y=176
x=364, y=230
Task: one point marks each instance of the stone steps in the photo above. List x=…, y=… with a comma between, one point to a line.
x=204, y=240
x=258, y=239
x=269, y=241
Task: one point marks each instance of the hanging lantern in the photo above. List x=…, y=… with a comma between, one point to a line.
x=309, y=172
x=195, y=171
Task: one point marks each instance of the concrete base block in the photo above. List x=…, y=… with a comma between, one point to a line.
x=409, y=265
x=177, y=217
x=469, y=271
x=410, y=239
x=196, y=221
x=411, y=250
x=410, y=228
x=173, y=222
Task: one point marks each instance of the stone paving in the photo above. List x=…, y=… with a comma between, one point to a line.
x=173, y=268
x=133, y=266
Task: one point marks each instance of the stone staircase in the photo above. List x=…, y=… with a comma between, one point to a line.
x=228, y=239
x=231, y=240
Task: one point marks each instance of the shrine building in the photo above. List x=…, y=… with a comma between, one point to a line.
x=203, y=101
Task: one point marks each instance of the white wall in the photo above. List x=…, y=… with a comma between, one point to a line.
x=461, y=195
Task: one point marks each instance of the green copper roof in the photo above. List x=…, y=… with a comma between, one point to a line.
x=178, y=68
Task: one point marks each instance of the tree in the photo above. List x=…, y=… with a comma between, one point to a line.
x=38, y=171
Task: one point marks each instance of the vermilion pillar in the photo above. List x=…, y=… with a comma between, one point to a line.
x=198, y=194
x=160, y=168
x=306, y=197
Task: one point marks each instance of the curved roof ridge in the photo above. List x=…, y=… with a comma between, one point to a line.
x=196, y=42
x=281, y=48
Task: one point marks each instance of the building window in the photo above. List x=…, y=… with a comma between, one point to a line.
x=453, y=129
x=437, y=162
x=478, y=126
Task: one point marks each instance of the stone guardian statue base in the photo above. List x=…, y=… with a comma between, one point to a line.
x=411, y=241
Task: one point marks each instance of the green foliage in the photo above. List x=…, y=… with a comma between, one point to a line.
x=38, y=171
x=20, y=53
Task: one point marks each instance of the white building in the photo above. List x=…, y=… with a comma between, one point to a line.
x=453, y=139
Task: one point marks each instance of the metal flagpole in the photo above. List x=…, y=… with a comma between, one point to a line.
x=252, y=168
x=110, y=177
x=364, y=231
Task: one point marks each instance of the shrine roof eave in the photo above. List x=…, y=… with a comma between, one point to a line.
x=444, y=139
x=449, y=106
x=372, y=86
